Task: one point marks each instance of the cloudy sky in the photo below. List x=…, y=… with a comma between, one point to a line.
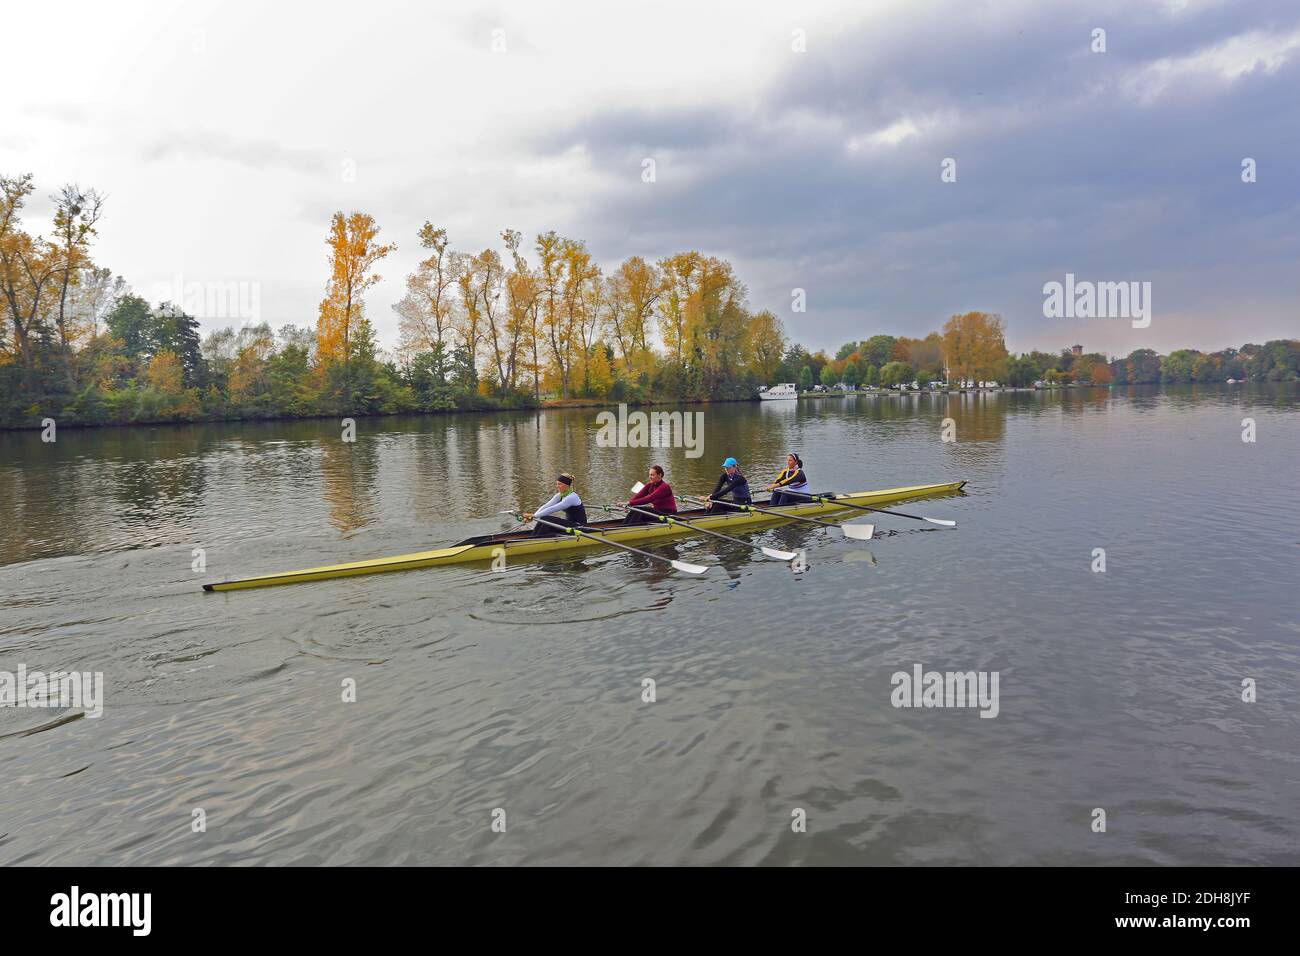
x=225, y=135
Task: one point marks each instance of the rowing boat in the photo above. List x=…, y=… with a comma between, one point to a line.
x=524, y=545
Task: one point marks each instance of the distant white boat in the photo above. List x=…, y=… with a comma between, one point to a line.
x=786, y=390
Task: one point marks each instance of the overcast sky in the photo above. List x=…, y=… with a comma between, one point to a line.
x=225, y=135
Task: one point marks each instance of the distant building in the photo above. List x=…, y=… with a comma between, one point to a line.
x=1076, y=349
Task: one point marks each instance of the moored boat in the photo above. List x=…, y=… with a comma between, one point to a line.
x=785, y=390
x=524, y=545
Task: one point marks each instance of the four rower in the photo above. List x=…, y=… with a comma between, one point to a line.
x=565, y=507
x=731, y=482
x=791, y=478
x=655, y=496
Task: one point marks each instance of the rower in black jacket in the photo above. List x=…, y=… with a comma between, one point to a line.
x=731, y=482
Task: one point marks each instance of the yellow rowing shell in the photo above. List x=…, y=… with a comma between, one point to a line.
x=523, y=545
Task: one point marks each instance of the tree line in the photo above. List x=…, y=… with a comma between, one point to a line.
x=971, y=348
x=508, y=326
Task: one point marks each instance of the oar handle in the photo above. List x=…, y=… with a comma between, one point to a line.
x=551, y=524
x=696, y=499
x=662, y=519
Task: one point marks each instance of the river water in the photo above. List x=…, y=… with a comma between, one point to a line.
x=518, y=696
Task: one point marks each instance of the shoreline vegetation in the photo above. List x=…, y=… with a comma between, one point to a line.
x=558, y=405
x=493, y=330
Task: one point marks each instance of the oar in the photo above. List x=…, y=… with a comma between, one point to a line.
x=517, y=516
x=579, y=533
x=770, y=552
x=859, y=532
x=884, y=511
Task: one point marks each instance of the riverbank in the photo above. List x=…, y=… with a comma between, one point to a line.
x=561, y=405
x=547, y=405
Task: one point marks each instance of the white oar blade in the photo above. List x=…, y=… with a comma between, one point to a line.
x=859, y=532
x=689, y=568
x=943, y=521
x=636, y=489
x=780, y=555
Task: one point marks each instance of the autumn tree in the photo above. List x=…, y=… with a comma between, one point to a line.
x=178, y=332
x=76, y=211
x=925, y=355
x=353, y=253
x=716, y=326
x=248, y=372
x=580, y=273
x=484, y=283
x=468, y=319
x=766, y=344
x=557, y=332
x=523, y=305
x=974, y=347
x=168, y=399
x=634, y=289
x=425, y=311
x=681, y=278
x=592, y=321
x=598, y=373
x=165, y=374
x=29, y=270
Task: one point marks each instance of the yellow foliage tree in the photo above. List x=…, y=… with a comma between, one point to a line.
x=558, y=339
x=766, y=345
x=165, y=373
x=599, y=374
x=353, y=252
x=29, y=266
x=633, y=290
x=974, y=346
x=681, y=279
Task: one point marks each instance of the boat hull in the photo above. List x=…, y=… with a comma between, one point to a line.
x=526, y=547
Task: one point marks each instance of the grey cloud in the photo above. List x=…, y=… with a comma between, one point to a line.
x=1058, y=170
x=219, y=145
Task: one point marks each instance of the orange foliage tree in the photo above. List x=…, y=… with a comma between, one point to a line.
x=353, y=252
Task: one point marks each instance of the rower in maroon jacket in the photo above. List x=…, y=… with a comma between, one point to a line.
x=655, y=495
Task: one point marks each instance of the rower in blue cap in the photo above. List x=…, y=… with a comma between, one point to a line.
x=731, y=482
